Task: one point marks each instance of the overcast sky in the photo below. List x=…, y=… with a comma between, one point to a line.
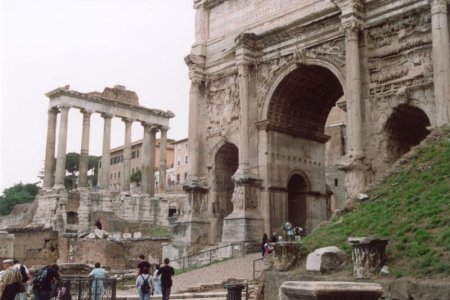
x=88, y=44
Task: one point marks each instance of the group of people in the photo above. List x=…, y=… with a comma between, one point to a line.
x=159, y=284
x=15, y=278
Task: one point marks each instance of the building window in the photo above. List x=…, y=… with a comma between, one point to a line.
x=185, y=175
x=178, y=162
x=336, y=183
x=185, y=159
x=133, y=154
x=137, y=153
x=118, y=175
x=178, y=178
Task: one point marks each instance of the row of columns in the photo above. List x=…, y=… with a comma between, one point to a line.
x=148, y=157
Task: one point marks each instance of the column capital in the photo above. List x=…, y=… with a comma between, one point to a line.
x=351, y=29
x=53, y=110
x=107, y=116
x=127, y=120
x=150, y=126
x=163, y=128
x=63, y=107
x=438, y=6
x=243, y=68
x=86, y=111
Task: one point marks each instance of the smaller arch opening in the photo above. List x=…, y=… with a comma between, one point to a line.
x=98, y=225
x=297, y=189
x=405, y=128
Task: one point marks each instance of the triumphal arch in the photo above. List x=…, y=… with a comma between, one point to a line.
x=265, y=75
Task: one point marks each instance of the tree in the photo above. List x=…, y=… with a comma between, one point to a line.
x=72, y=167
x=136, y=177
x=17, y=194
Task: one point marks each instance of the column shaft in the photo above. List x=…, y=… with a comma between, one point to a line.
x=243, y=117
x=152, y=154
x=441, y=60
x=84, y=155
x=106, y=153
x=49, y=167
x=193, y=136
x=163, y=161
x=62, y=144
x=127, y=156
x=353, y=91
x=145, y=160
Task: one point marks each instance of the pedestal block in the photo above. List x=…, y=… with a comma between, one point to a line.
x=368, y=255
x=329, y=290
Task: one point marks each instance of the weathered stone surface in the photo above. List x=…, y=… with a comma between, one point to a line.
x=368, y=255
x=329, y=290
x=326, y=259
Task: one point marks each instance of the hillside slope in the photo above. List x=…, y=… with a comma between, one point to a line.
x=411, y=207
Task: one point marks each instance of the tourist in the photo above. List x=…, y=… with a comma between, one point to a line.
x=166, y=273
x=157, y=281
x=97, y=275
x=44, y=280
x=265, y=239
x=142, y=264
x=274, y=238
x=10, y=280
x=22, y=294
x=144, y=284
x=267, y=251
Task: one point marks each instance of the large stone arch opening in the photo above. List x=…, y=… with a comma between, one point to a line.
x=405, y=128
x=296, y=116
x=226, y=163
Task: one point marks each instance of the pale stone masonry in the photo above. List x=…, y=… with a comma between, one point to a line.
x=265, y=75
x=114, y=102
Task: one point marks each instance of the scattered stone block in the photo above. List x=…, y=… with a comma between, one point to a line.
x=127, y=236
x=368, y=255
x=137, y=235
x=326, y=259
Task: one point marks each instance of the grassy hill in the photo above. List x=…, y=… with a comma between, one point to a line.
x=411, y=207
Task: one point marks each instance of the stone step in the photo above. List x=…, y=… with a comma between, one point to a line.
x=183, y=296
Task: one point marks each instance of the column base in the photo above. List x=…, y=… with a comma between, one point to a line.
x=242, y=228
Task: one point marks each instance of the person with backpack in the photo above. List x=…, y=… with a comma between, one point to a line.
x=22, y=294
x=10, y=280
x=44, y=280
x=97, y=275
x=144, y=284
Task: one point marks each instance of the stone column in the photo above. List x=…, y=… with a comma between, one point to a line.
x=193, y=145
x=245, y=221
x=62, y=144
x=152, y=154
x=126, y=156
x=441, y=60
x=106, y=152
x=49, y=168
x=84, y=155
x=163, y=160
x=353, y=89
x=145, y=159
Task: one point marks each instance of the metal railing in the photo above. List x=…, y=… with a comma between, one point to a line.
x=212, y=255
x=254, y=267
x=77, y=287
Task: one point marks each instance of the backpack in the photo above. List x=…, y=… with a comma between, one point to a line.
x=145, y=287
x=24, y=274
x=39, y=278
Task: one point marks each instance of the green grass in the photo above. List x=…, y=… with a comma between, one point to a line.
x=159, y=231
x=412, y=209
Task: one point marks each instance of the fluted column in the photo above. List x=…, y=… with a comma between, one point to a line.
x=353, y=89
x=126, y=156
x=49, y=167
x=193, y=136
x=243, y=70
x=84, y=154
x=62, y=145
x=106, y=152
x=163, y=160
x=441, y=60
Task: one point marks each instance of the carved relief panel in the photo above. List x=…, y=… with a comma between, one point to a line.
x=399, y=54
x=222, y=103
